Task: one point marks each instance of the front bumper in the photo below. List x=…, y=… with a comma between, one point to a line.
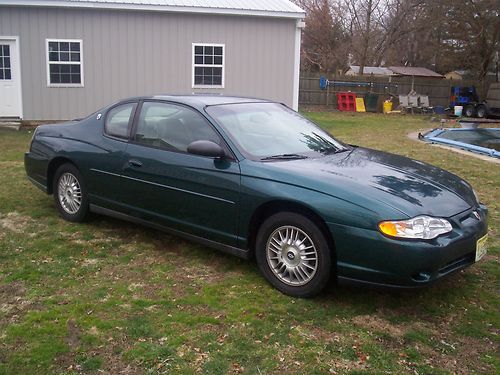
x=368, y=256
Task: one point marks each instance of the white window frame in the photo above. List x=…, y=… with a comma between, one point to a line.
x=48, y=62
x=193, y=66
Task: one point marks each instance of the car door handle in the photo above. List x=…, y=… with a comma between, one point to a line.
x=135, y=163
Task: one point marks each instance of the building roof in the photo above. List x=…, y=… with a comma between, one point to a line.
x=414, y=71
x=375, y=70
x=263, y=8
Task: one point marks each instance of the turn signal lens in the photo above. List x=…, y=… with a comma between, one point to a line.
x=389, y=228
x=422, y=227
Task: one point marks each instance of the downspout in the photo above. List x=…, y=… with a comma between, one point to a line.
x=299, y=25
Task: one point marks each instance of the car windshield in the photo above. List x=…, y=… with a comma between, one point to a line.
x=271, y=131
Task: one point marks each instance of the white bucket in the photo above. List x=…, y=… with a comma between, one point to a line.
x=458, y=110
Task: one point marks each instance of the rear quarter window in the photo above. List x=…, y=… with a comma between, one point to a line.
x=119, y=120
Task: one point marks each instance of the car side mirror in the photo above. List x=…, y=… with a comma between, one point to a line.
x=206, y=148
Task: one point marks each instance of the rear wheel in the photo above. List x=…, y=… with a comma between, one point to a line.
x=470, y=111
x=293, y=254
x=482, y=112
x=70, y=193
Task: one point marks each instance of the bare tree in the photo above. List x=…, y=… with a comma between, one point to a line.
x=474, y=29
x=362, y=27
x=324, y=42
x=439, y=34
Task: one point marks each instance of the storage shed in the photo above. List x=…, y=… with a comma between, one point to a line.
x=63, y=59
x=377, y=71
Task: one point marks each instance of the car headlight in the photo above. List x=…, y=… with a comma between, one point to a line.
x=422, y=227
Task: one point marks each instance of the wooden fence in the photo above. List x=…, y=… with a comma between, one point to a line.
x=437, y=89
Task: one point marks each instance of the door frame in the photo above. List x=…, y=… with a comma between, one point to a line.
x=17, y=66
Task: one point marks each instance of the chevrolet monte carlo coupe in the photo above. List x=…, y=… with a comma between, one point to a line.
x=254, y=178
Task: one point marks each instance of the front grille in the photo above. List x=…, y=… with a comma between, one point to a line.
x=471, y=217
x=457, y=263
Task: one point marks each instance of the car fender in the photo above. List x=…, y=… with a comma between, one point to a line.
x=257, y=192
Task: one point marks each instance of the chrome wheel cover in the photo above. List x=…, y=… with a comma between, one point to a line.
x=292, y=255
x=69, y=193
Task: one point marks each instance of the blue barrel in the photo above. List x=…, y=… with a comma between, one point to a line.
x=439, y=110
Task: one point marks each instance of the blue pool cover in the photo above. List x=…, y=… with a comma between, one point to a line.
x=485, y=141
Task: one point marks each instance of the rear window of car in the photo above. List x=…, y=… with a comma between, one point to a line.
x=119, y=119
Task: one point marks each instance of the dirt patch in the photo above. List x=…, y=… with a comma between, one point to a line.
x=463, y=357
x=447, y=351
x=15, y=222
x=73, y=336
x=314, y=333
x=373, y=323
x=111, y=363
x=13, y=289
x=100, y=238
x=90, y=262
x=14, y=304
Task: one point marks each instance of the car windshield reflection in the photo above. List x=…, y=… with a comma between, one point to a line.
x=271, y=131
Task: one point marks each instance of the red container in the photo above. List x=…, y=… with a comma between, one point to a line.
x=346, y=101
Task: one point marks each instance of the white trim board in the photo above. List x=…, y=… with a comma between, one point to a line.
x=157, y=8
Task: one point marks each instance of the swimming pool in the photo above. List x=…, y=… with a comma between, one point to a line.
x=482, y=140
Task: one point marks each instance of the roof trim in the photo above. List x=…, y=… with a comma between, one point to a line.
x=157, y=8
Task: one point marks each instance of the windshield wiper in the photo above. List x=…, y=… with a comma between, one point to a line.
x=284, y=157
x=333, y=150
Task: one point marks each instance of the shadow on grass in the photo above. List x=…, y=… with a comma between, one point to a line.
x=428, y=303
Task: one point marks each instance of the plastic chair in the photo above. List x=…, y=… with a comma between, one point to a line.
x=424, y=104
x=404, y=103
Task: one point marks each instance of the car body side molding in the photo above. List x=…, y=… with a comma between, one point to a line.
x=242, y=253
x=165, y=186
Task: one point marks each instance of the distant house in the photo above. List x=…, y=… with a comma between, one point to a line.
x=467, y=74
x=457, y=74
x=64, y=59
x=368, y=70
x=401, y=71
x=413, y=71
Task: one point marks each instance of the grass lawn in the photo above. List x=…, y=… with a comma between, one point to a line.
x=110, y=296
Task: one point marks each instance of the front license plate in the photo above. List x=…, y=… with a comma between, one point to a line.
x=481, y=247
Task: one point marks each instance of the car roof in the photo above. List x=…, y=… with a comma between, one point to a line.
x=201, y=100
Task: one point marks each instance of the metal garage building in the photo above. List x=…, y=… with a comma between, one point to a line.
x=62, y=59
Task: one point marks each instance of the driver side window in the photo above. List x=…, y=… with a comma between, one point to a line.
x=172, y=127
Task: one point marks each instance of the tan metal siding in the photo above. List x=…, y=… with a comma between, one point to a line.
x=129, y=53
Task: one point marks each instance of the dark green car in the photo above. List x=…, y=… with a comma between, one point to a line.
x=252, y=177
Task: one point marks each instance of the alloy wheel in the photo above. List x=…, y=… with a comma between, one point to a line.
x=292, y=255
x=70, y=193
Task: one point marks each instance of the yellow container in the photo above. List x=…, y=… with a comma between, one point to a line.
x=387, y=106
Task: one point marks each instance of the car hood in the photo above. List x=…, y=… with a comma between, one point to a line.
x=361, y=176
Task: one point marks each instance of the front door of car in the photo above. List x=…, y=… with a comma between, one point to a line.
x=103, y=175
x=164, y=183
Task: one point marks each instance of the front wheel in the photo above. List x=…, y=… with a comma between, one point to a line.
x=470, y=111
x=482, y=112
x=293, y=254
x=70, y=193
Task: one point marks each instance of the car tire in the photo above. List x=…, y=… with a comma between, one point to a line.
x=470, y=111
x=70, y=193
x=482, y=112
x=293, y=254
